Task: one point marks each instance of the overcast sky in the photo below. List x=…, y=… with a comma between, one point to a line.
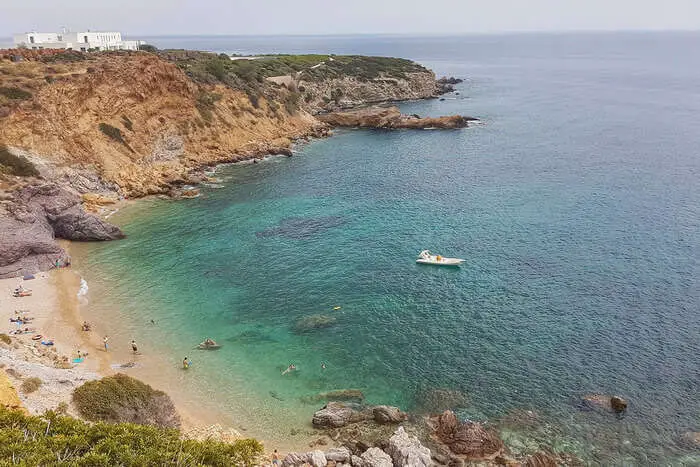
x=154, y=17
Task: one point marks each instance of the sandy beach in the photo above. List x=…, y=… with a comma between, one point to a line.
x=54, y=313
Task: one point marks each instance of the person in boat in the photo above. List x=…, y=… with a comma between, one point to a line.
x=185, y=363
x=289, y=369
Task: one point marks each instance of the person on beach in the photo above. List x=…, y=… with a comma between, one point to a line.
x=105, y=342
x=289, y=369
x=133, y=346
x=275, y=458
x=185, y=363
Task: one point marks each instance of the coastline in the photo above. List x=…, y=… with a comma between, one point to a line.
x=57, y=314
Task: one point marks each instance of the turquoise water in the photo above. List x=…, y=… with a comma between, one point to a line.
x=576, y=205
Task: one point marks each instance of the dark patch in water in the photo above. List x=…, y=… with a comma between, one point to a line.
x=274, y=395
x=300, y=228
x=251, y=336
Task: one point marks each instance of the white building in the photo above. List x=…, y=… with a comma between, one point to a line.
x=83, y=41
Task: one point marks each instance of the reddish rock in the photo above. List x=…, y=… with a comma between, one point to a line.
x=470, y=440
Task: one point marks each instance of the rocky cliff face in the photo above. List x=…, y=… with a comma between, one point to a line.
x=348, y=92
x=34, y=217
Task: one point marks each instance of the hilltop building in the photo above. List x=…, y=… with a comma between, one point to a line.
x=83, y=41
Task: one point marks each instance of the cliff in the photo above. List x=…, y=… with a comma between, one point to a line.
x=130, y=124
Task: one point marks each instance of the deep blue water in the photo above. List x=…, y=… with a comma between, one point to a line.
x=576, y=205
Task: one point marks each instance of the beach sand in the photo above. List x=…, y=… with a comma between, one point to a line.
x=55, y=309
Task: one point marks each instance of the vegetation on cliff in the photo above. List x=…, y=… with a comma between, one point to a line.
x=15, y=165
x=52, y=439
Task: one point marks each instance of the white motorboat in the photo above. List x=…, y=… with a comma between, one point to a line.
x=426, y=257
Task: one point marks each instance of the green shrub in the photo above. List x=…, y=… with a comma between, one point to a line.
x=128, y=124
x=5, y=339
x=112, y=132
x=205, y=104
x=217, y=68
x=120, y=398
x=52, y=439
x=148, y=48
x=30, y=385
x=16, y=165
x=15, y=93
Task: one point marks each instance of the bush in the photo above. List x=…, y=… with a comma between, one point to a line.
x=15, y=93
x=120, y=398
x=17, y=165
x=5, y=339
x=148, y=48
x=205, y=104
x=128, y=124
x=52, y=439
x=30, y=385
x=112, y=132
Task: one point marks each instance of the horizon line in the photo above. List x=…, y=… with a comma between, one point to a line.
x=412, y=34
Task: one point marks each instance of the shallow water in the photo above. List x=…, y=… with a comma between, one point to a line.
x=576, y=204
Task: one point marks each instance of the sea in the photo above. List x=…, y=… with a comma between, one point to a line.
x=575, y=203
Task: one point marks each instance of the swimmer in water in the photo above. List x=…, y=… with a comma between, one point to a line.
x=185, y=363
x=289, y=369
x=323, y=366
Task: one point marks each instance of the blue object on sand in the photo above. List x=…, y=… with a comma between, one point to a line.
x=28, y=277
x=47, y=342
x=78, y=360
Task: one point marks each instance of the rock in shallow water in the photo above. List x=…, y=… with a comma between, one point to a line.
x=341, y=454
x=618, y=404
x=468, y=439
x=384, y=414
x=313, y=322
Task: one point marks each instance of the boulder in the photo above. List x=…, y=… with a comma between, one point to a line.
x=384, y=414
x=375, y=457
x=317, y=458
x=407, y=450
x=294, y=459
x=332, y=415
x=357, y=461
x=467, y=439
x=339, y=455
x=618, y=404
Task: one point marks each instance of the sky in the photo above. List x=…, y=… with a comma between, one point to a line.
x=270, y=17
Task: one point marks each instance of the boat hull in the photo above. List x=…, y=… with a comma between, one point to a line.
x=453, y=262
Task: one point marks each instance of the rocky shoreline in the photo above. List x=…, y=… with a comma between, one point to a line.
x=176, y=116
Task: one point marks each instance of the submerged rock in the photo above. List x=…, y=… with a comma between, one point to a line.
x=300, y=228
x=313, y=322
x=467, y=439
x=600, y=401
x=437, y=400
x=338, y=395
x=691, y=438
x=386, y=414
x=407, y=450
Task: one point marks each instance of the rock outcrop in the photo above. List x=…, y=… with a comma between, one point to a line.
x=603, y=402
x=30, y=222
x=333, y=415
x=391, y=118
x=407, y=450
x=618, y=404
x=387, y=414
x=375, y=457
x=469, y=440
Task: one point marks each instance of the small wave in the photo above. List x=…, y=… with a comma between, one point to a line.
x=82, y=292
x=112, y=213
